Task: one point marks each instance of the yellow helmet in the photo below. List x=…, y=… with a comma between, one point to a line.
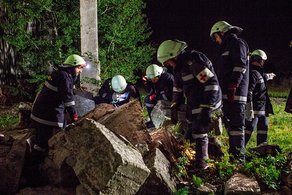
x=223, y=26
x=73, y=60
x=258, y=54
x=118, y=83
x=170, y=49
x=153, y=70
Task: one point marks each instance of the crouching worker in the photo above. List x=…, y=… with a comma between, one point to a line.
x=158, y=84
x=54, y=101
x=116, y=91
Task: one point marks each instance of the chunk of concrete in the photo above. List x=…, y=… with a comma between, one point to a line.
x=101, y=161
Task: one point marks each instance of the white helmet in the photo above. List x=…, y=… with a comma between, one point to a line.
x=170, y=49
x=222, y=26
x=119, y=83
x=258, y=54
x=153, y=70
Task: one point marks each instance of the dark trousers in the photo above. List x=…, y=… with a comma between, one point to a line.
x=43, y=134
x=261, y=123
x=234, y=120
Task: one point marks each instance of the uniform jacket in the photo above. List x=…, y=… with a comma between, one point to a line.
x=107, y=93
x=55, y=98
x=233, y=68
x=257, y=92
x=196, y=80
x=163, y=88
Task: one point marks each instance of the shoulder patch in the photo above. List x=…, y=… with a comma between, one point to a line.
x=205, y=75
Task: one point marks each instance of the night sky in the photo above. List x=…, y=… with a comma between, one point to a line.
x=267, y=25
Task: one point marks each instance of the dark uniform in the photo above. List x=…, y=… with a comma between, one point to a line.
x=195, y=79
x=233, y=73
x=51, y=104
x=162, y=90
x=262, y=107
x=107, y=94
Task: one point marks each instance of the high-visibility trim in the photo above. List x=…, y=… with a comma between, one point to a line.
x=103, y=95
x=42, y=121
x=262, y=132
x=238, y=98
x=261, y=112
x=196, y=111
x=38, y=148
x=188, y=77
x=149, y=105
x=175, y=89
x=197, y=136
x=51, y=87
x=261, y=80
x=236, y=133
x=67, y=104
x=211, y=88
x=239, y=69
x=226, y=53
x=204, y=75
x=163, y=95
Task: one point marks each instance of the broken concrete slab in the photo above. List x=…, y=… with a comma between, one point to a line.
x=101, y=161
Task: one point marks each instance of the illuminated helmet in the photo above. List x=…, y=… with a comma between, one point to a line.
x=118, y=83
x=153, y=71
x=222, y=26
x=74, y=60
x=170, y=49
x=258, y=54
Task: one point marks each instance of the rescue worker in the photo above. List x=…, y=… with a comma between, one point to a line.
x=116, y=91
x=258, y=102
x=233, y=74
x=194, y=80
x=158, y=84
x=54, y=101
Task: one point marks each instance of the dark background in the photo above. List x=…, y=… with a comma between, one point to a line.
x=267, y=25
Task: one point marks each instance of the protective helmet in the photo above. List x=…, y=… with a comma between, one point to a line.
x=222, y=26
x=119, y=83
x=170, y=49
x=74, y=60
x=153, y=70
x=258, y=54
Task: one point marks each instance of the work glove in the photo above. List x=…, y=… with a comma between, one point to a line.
x=231, y=92
x=74, y=118
x=152, y=97
x=145, y=81
x=269, y=76
x=249, y=113
x=205, y=116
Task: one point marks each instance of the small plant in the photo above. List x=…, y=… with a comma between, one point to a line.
x=182, y=191
x=266, y=169
x=225, y=168
x=8, y=121
x=181, y=166
x=197, y=181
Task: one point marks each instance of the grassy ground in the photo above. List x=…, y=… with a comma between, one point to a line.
x=280, y=127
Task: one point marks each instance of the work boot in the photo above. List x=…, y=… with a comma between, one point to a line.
x=201, y=153
x=37, y=155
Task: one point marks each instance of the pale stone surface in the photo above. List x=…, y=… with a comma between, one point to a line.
x=89, y=43
x=100, y=160
x=160, y=180
x=12, y=156
x=83, y=105
x=241, y=184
